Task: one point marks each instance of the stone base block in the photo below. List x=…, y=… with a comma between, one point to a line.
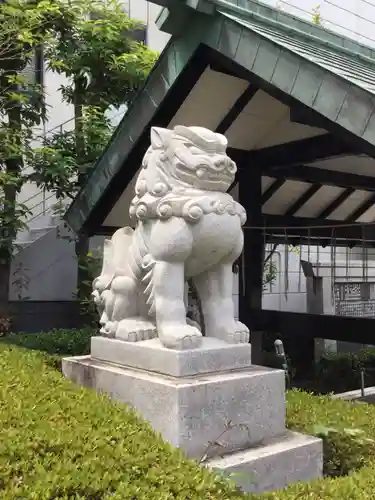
x=192, y=412
x=272, y=466
x=213, y=355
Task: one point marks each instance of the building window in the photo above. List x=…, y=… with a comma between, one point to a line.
x=140, y=35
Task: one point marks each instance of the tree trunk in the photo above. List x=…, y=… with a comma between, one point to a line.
x=7, y=237
x=4, y=290
x=8, y=232
x=82, y=241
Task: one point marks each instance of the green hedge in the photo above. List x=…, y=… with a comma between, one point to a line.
x=359, y=486
x=55, y=342
x=346, y=428
x=61, y=442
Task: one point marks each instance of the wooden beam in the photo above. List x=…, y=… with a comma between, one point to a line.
x=236, y=109
x=361, y=210
x=305, y=227
x=299, y=330
x=303, y=199
x=297, y=114
x=294, y=153
x=334, y=205
x=322, y=176
x=251, y=262
x=311, y=326
x=269, y=192
x=297, y=241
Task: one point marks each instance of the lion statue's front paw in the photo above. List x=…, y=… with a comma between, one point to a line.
x=241, y=335
x=180, y=337
x=136, y=330
x=234, y=333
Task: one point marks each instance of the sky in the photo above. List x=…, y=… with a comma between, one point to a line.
x=352, y=18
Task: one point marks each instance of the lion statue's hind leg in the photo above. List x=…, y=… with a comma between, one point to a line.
x=133, y=324
x=135, y=291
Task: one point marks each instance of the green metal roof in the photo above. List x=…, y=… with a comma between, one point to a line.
x=259, y=11
x=354, y=69
x=270, y=15
x=332, y=75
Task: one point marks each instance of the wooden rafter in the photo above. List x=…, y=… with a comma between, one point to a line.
x=303, y=199
x=236, y=109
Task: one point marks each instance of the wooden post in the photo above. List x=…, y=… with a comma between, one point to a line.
x=251, y=267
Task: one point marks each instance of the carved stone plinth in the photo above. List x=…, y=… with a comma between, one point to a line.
x=196, y=397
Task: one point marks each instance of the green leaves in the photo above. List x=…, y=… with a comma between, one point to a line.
x=91, y=265
x=92, y=44
x=56, y=166
x=347, y=429
x=97, y=44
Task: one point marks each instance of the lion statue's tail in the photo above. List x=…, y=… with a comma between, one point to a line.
x=121, y=243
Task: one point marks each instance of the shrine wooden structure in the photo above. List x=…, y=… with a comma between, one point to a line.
x=296, y=102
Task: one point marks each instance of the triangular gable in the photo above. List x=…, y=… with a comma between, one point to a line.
x=338, y=85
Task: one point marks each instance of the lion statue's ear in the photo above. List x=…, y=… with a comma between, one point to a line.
x=160, y=137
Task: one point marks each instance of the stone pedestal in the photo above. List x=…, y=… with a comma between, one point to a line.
x=211, y=402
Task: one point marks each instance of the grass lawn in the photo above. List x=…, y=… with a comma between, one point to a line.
x=62, y=442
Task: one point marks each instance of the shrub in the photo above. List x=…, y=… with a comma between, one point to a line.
x=55, y=342
x=342, y=372
x=63, y=442
x=358, y=486
x=345, y=450
x=346, y=428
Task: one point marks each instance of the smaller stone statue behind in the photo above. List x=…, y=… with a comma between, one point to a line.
x=187, y=228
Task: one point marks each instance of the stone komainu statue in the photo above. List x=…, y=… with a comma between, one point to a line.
x=187, y=228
